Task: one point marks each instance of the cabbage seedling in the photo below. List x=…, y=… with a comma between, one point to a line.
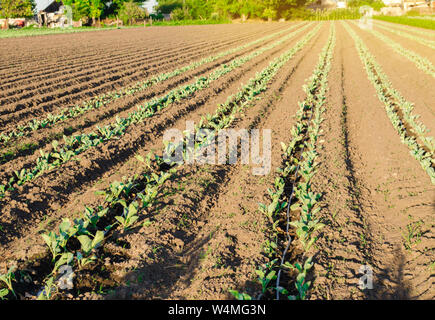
x=7, y=279
x=129, y=216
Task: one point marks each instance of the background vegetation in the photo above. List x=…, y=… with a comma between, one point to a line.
x=409, y=21
x=184, y=12
x=17, y=8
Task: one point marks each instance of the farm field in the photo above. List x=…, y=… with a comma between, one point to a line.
x=426, y=22
x=83, y=182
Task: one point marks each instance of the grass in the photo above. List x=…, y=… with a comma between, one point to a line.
x=421, y=23
x=34, y=31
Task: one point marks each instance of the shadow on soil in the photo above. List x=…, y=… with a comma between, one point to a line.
x=166, y=267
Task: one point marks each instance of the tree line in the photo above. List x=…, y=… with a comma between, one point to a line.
x=131, y=10
x=127, y=10
x=179, y=9
x=230, y=9
x=247, y=9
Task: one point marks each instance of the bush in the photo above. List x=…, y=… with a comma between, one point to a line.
x=375, y=4
x=215, y=16
x=157, y=17
x=299, y=14
x=331, y=14
x=180, y=14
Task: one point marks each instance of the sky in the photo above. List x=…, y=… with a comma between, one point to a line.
x=42, y=4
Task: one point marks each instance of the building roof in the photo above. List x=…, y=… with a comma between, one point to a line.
x=54, y=6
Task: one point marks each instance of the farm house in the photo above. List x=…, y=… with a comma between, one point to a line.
x=401, y=7
x=55, y=15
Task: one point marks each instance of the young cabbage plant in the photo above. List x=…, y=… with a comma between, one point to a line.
x=239, y=295
x=7, y=279
x=301, y=284
x=266, y=275
x=305, y=227
x=65, y=258
x=48, y=291
x=92, y=216
x=88, y=245
x=129, y=216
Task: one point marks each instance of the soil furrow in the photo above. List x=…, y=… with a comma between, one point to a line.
x=370, y=232
x=264, y=106
x=121, y=108
x=75, y=93
x=203, y=232
x=116, y=39
x=124, y=45
x=122, y=79
x=414, y=84
x=102, y=65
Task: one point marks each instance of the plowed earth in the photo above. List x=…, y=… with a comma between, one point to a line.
x=205, y=234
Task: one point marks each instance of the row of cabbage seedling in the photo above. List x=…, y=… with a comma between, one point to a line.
x=399, y=110
x=421, y=62
x=122, y=200
x=76, y=144
x=428, y=43
x=88, y=232
x=295, y=177
x=104, y=99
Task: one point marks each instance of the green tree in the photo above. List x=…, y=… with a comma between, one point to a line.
x=80, y=8
x=245, y=8
x=114, y=7
x=204, y=9
x=375, y=4
x=95, y=9
x=167, y=6
x=292, y=8
x=131, y=11
x=270, y=9
x=16, y=9
x=197, y=9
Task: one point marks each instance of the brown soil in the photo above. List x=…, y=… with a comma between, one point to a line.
x=44, y=193
x=206, y=235
x=104, y=76
x=107, y=114
x=374, y=189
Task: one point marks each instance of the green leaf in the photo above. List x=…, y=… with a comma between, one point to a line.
x=86, y=243
x=120, y=219
x=140, y=158
x=65, y=258
x=132, y=208
x=260, y=273
x=65, y=226
x=47, y=239
x=98, y=239
x=3, y=293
